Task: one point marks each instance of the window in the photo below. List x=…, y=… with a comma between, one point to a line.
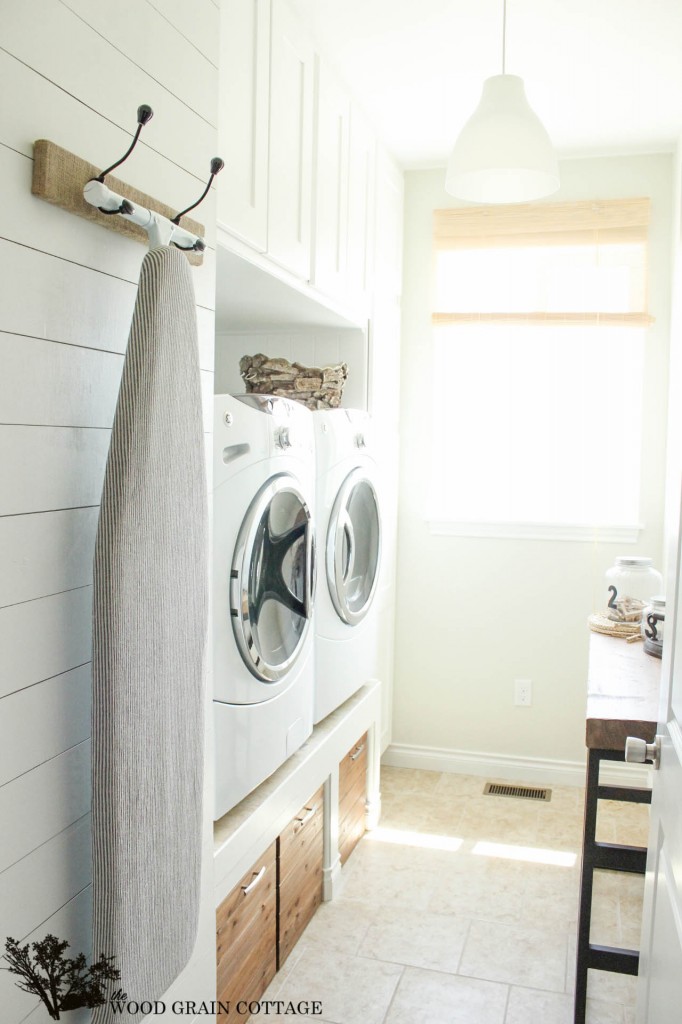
x=539, y=335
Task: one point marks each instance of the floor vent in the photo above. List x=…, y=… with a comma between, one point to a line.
x=523, y=792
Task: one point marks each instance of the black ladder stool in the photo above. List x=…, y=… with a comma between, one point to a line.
x=622, y=701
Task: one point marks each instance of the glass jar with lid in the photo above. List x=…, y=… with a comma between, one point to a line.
x=653, y=619
x=630, y=584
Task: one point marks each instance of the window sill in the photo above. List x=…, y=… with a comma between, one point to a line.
x=623, y=534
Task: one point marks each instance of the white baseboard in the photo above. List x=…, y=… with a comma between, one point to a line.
x=372, y=811
x=536, y=770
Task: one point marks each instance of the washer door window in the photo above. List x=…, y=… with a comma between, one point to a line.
x=353, y=547
x=272, y=579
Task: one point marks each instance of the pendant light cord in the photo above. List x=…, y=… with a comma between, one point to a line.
x=504, y=33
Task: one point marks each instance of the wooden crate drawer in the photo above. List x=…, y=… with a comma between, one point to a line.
x=246, y=934
x=299, y=874
x=300, y=896
x=302, y=838
x=248, y=969
x=358, y=792
x=252, y=898
x=353, y=766
x=352, y=797
x=352, y=827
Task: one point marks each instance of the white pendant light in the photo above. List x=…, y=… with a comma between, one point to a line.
x=503, y=153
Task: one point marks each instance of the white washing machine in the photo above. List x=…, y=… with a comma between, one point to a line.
x=263, y=585
x=349, y=538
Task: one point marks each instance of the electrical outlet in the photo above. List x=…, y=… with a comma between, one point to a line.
x=523, y=693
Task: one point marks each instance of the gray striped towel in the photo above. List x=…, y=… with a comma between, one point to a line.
x=149, y=635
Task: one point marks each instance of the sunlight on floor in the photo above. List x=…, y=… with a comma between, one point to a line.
x=528, y=853
x=504, y=851
x=404, y=838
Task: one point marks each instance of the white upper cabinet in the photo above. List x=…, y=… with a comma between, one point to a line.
x=388, y=249
x=292, y=84
x=330, y=233
x=243, y=119
x=299, y=183
x=362, y=163
x=384, y=349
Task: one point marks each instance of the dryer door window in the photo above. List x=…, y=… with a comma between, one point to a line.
x=353, y=547
x=272, y=579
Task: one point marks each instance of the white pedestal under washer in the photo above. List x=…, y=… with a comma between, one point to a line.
x=263, y=581
x=349, y=540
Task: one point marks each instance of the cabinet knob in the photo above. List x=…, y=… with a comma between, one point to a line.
x=283, y=438
x=638, y=751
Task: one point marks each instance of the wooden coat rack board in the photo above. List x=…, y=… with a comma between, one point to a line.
x=59, y=177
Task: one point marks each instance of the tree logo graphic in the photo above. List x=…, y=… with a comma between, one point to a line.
x=61, y=982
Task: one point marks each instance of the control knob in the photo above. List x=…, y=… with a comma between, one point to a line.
x=283, y=438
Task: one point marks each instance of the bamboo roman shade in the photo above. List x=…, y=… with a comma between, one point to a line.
x=577, y=263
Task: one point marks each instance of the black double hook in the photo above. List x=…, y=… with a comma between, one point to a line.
x=216, y=167
x=144, y=116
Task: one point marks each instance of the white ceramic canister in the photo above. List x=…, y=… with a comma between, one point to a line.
x=630, y=584
x=653, y=620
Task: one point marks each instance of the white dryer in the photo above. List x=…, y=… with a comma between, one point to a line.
x=349, y=532
x=263, y=582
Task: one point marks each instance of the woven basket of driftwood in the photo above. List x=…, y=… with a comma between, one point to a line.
x=317, y=387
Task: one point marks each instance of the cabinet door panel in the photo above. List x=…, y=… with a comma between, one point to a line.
x=353, y=766
x=349, y=800
x=388, y=260
x=299, y=887
x=246, y=932
x=299, y=899
x=361, y=181
x=292, y=67
x=332, y=132
x=352, y=829
x=352, y=797
x=243, y=119
x=302, y=834
x=247, y=973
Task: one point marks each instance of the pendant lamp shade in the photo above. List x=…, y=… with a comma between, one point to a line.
x=503, y=153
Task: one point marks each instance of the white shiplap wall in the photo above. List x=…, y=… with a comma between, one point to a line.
x=75, y=71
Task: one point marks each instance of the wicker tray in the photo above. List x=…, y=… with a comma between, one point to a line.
x=602, y=624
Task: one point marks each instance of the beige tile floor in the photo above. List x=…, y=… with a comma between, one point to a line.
x=462, y=909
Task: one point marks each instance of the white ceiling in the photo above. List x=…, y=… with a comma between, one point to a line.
x=604, y=76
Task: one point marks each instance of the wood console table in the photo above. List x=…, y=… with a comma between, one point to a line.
x=622, y=700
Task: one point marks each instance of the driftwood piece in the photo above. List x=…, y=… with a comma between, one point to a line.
x=314, y=387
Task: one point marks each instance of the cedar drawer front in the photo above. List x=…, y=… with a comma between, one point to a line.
x=352, y=828
x=246, y=972
x=302, y=839
x=246, y=932
x=353, y=766
x=350, y=799
x=300, y=895
x=299, y=886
